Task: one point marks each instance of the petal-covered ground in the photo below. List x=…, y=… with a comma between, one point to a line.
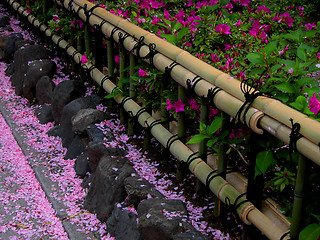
x=25, y=210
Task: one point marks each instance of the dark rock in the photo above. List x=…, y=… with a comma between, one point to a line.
x=44, y=90
x=6, y=28
x=4, y=21
x=10, y=47
x=161, y=219
x=190, y=234
x=69, y=110
x=22, y=57
x=3, y=41
x=36, y=70
x=75, y=149
x=55, y=131
x=21, y=43
x=94, y=134
x=97, y=150
x=2, y=55
x=107, y=186
x=87, y=181
x=10, y=69
x=84, y=118
x=123, y=225
x=81, y=165
x=65, y=92
x=138, y=189
x=44, y=113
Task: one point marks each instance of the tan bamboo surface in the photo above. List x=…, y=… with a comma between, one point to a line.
x=274, y=108
x=223, y=100
x=221, y=188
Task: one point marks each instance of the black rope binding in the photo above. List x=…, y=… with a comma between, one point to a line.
x=284, y=235
x=33, y=20
x=68, y=46
x=234, y=206
x=105, y=78
x=246, y=89
x=191, y=158
x=59, y=40
x=88, y=13
x=112, y=33
x=152, y=53
x=154, y=123
x=138, y=46
x=171, y=140
x=294, y=137
x=79, y=8
x=124, y=100
x=211, y=176
x=168, y=70
x=122, y=37
x=191, y=84
x=212, y=92
x=97, y=27
x=70, y=4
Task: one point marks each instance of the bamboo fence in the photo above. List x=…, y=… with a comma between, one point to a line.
x=265, y=114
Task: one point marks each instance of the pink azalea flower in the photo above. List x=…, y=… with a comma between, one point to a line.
x=193, y=104
x=56, y=18
x=169, y=104
x=255, y=28
x=117, y=59
x=284, y=17
x=223, y=28
x=314, y=104
x=84, y=59
x=238, y=23
x=142, y=73
x=213, y=112
x=214, y=57
x=263, y=8
x=283, y=51
x=310, y=26
x=318, y=55
x=155, y=20
x=80, y=23
x=179, y=106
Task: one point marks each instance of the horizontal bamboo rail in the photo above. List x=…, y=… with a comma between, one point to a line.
x=274, y=115
x=221, y=188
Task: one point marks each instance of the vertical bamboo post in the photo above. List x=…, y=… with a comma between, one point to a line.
x=87, y=39
x=122, y=55
x=181, y=128
x=298, y=202
x=147, y=135
x=222, y=166
x=111, y=62
x=204, y=118
x=132, y=91
x=98, y=50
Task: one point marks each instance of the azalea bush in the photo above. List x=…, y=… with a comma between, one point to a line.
x=272, y=43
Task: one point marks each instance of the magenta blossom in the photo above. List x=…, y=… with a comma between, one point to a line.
x=263, y=8
x=193, y=104
x=169, y=104
x=223, y=28
x=84, y=59
x=310, y=26
x=314, y=104
x=142, y=73
x=179, y=106
x=117, y=59
x=284, y=17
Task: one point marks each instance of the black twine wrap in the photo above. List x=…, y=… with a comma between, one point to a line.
x=70, y=4
x=210, y=176
x=152, y=52
x=89, y=12
x=212, y=92
x=138, y=46
x=59, y=40
x=122, y=37
x=284, y=235
x=294, y=136
x=134, y=118
x=112, y=33
x=168, y=70
x=154, y=123
x=68, y=46
x=124, y=100
x=105, y=78
x=191, y=158
x=97, y=27
x=33, y=20
x=171, y=140
x=235, y=205
x=191, y=84
x=250, y=96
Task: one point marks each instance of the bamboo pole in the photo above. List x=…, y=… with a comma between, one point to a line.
x=122, y=76
x=132, y=91
x=219, y=186
x=309, y=127
x=298, y=203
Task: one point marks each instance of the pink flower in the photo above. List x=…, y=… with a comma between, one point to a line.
x=73, y=23
x=155, y=20
x=284, y=17
x=238, y=23
x=318, y=55
x=80, y=23
x=255, y=28
x=56, y=18
x=117, y=59
x=142, y=73
x=223, y=28
x=310, y=26
x=84, y=59
x=179, y=106
x=314, y=104
x=214, y=57
x=169, y=104
x=283, y=51
x=263, y=8
x=213, y=112
x=193, y=104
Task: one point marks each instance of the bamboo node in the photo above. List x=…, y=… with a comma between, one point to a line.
x=245, y=211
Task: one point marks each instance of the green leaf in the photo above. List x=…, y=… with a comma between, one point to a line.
x=264, y=160
x=177, y=26
x=285, y=87
x=212, y=142
x=163, y=25
x=170, y=38
x=270, y=47
x=214, y=126
x=300, y=103
x=182, y=33
x=282, y=186
x=113, y=94
x=168, y=22
x=203, y=127
x=256, y=58
x=310, y=232
x=301, y=53
x=197, y=138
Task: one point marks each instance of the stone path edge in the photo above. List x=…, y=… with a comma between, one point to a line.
x=45, y=182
